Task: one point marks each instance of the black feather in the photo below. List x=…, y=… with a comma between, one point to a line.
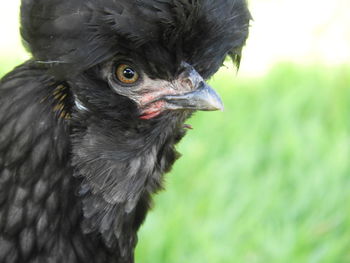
x=77, y=164
x=74, y=36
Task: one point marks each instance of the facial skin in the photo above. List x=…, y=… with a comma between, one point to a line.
x=187, y=90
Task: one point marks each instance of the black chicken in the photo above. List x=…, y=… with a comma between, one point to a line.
x=88, y=125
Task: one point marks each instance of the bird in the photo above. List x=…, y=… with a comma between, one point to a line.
x=89, y=124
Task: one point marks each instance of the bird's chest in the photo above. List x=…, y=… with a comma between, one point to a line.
x=115, y=193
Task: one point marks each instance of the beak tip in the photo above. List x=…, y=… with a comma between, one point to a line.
x=219, y=106
x=217, y=103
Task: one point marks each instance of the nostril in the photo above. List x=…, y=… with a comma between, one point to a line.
x=189, y=79
x=187, y=85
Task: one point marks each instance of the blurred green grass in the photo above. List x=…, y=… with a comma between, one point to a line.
x=268, y=180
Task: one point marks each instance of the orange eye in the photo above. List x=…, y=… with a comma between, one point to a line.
x=126, y=74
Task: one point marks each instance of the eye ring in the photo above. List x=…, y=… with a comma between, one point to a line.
x=126, y=74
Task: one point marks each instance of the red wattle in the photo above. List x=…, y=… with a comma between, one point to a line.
x=150, y=115
x=152, y=110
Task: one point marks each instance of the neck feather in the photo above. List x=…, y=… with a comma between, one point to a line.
x=121, y=164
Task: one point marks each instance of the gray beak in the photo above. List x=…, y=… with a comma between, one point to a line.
x=203, y=98
x=199, y=95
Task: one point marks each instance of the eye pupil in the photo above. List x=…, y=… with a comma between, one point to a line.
x=129, y=73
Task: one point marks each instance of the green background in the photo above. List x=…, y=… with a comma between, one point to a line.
x=268, y=179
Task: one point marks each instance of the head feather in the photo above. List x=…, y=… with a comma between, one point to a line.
x=77, y=35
